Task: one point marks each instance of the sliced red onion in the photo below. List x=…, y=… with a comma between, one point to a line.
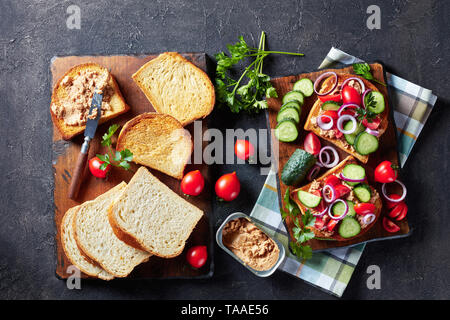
x=347, y=105
x=375, y=133
x=342, y=215
x=369, y=218
x=324, y=125
x=361, y=83
x=340, y=123
x=332, y=196
x=363, y=96
x=320, y=214
x=319, y=80
x=313, y=172
x=335, y=154
x=342, y=177
x=383, y=189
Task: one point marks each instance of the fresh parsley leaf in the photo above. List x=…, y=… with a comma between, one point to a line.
x=106, y=141
x=116, y=158
x=363, y=69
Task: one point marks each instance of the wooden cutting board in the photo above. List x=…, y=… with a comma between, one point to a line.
x=66, y=153
x=386, y=151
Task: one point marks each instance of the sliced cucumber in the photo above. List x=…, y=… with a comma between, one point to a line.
x=294, y=95
x=363, y=192
x=378, y=105
x=297, y=167
x=308, y=199
x=293, y=103
x=351, y=209
x=286, y=131
x=305, y=86
x=365, y=143
x=330, y=105
x=349, y=227
x=338, y=209
x=288, y=113
x=350, y=138
x=354, y=171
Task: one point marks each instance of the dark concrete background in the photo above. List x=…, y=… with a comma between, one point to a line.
x=413, y=42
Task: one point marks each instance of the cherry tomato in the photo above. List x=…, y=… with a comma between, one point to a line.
x=399, y=211
x=332, y=180
x=331, y=97
x=390, y=226
x=244, y=149
x=386, y=172
x=193, y=183
x=197, y=256
x=390, y=204
x=372, y=125
x=228, y=186
x=364, y=208
x=332, y=224
x=351, y=95
x=312, y=144
x=331, y=113
x=341, y=190
x=94, y=167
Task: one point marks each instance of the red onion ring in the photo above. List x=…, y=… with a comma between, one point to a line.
x=383, y=190
x=375, y=133
x=313, y=172
x=332, y=191
x=340, y=123
x=345, y=106
x=363, y=96
x=320, y=214
x=322, y=125
x=319, y=80
x=361, y=83
x=342, y=215
x=342, y=177
x=335, y=154
x=369, y=218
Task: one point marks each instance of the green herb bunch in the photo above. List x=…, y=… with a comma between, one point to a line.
x=119, y=159
x=363, y=69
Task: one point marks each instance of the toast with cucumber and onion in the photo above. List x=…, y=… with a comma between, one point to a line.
x=344, y=204
x=350, y=112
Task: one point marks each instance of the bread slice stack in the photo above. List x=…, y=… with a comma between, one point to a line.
x=175, y=86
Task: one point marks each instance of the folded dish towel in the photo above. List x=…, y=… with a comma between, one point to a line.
x=332, y=269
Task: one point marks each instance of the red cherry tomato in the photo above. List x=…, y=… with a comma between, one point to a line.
x=312, y=144
x=390, y=204
x=390, y=226
x=193, y=183
x=386, y=172
x=364, y=208
x=94, y=167
x=332, y=180
x=244, y=149
x=341, y=190
x=197, y=256
x=331, y=113
x=332, y=224
x=372, y=125
x=228, y=186
x=399, y=211
x=351, y=95
x=331, y=97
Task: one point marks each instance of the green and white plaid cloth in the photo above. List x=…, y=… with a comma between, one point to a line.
x=332, y=269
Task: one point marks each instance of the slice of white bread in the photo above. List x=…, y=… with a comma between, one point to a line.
x=96, y=238
x=73, y=253
x=155, y=216
x=175, y=86
x=157, y=141
x=60, y=92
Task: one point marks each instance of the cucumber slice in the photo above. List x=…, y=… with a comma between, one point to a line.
x=378, y=104
x=350, y=138
x=288, y=113
x=294, y=95
x=286, y=131
x=354, y=171
x=330, y=105
x=305, y=86
x=349, y=227
x=338, y=209
x=363, y=192
x=351, y=209
x=308, y=199
x=293, y=103
x=297, y=167
x=365, y=143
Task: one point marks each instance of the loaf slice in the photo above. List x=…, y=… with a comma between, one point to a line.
x=155, y=216
x=96, y=238
x=60, y=93
x=73, y=253
x=175, y=86
x=157, y=141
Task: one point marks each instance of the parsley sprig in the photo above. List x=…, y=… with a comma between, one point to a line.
x=251, y=96
x=363, y=69
x=119, y=159
x=365, y=113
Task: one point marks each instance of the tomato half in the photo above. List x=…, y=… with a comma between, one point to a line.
x=372, y=125
x=228, y=186
x=399, y=211
x=193, y=183
x=364, y=208
x=197, y=256
x=244, y=149
x=390, y=226
x=331, y=97
x=94, y=167
x=386, y=172
x=351, y=95
x=341, y=190
x=312, y=144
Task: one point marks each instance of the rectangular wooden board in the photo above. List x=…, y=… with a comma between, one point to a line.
x=386, y=151
x=66, y=153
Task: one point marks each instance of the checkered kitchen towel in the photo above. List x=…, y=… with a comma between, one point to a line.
x=332, y=269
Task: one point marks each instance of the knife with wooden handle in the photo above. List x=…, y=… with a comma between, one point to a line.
x=89, y=133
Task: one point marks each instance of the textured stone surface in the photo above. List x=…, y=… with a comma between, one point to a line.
x=413, y=42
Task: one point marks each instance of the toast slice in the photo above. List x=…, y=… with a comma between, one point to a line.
x=177, y=87
x=158, y=141
x=73, y=253
x=96, y=238
x=158, y=219
x=376, y=200
x=61, y=91
x=310, y=125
